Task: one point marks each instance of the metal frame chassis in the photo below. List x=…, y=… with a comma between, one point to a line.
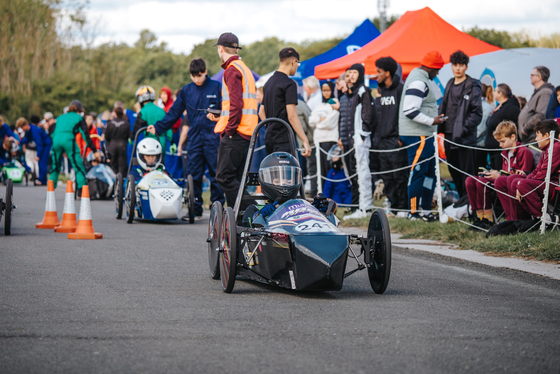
x=243, y=181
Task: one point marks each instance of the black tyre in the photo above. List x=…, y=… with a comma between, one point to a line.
x=118, y=195
x=228, y=250
x=130, y=198
x=9, y=207
x=379, y=237
x=214, y=231
x=26, y=179
x=190, y=184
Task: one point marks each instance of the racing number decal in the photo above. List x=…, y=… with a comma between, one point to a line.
x=314, y=226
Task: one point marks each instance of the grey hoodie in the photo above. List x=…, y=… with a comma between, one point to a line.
x=534, y=111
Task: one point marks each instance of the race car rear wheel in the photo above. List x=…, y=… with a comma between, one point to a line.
x=118, y=195
x=379, y=238
x=214, y=231
x=228, y=250
x=130, y=199
x=9, y=206
x=190, y=185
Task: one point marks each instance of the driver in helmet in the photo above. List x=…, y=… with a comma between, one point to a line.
x=149, y=156
x=280, y=178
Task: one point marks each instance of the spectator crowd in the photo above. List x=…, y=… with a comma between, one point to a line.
x=354, y=140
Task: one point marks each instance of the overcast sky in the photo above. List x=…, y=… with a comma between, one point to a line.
x=182, y=24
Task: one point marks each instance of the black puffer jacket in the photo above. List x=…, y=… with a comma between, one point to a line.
x=348, y=106
x=508, y=111
x=345, y=121
x=469, y=112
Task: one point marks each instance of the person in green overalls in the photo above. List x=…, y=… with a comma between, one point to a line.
x=64, y=141
x=149, y=115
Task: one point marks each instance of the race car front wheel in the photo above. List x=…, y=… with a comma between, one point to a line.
x=379, y=237
x=9, y=207
x=130, y=199
x=190, y=184
x=118, y=195
x=214, y=231
x=228, y=250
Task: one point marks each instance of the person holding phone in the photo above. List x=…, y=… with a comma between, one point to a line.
x=462, y=105
x=514, y=161
x=238, y=119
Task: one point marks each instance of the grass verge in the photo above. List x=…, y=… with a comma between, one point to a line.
x=529, y=246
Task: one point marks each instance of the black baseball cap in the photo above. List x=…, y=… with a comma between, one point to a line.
x=229, y=40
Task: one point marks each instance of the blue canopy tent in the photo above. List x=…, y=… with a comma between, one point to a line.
x=219, y=75
x=361, y=36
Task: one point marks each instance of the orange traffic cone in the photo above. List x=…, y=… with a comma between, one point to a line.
x=85, y=227
x=69, y=222
x=50, y=220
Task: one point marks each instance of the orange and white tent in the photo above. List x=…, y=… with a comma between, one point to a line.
x=407, y=41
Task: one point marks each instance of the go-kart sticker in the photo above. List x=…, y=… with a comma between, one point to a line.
x=161, y=182
x=314, y=226
x=296, y=212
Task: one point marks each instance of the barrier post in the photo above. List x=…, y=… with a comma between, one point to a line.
x=438, y=183
x=547, y=182
x=319, y=174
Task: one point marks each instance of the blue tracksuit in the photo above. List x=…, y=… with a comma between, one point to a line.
x=5, y=130
x=341, y=192
x=44, y=144
x=5, y=156
x=202, y=141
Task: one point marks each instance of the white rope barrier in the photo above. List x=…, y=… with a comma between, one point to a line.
x=487, y=184
x=401, y=148
x=547, y=180
x=486, y=149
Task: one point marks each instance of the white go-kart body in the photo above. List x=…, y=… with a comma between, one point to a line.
x=159, y=197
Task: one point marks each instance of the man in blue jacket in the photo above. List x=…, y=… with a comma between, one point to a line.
x=202, y=141
x=42, y=141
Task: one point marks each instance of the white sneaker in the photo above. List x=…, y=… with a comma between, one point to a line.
x=402, y=215
x=356, y=215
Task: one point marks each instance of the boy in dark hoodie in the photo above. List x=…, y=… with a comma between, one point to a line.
x=462, y=104
x=387, y=131
x=356, y=122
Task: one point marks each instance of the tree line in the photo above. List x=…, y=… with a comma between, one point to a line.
x=48, y=58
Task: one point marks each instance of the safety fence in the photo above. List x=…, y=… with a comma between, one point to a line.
x=438, y=192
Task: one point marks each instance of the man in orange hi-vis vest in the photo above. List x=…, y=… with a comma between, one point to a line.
x=238, y=118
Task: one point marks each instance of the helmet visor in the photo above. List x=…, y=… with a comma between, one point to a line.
x=151, y=161
x=282, y=176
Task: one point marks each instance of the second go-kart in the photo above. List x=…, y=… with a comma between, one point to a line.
x=154, y=195
x=297, y=247
x=15, y=171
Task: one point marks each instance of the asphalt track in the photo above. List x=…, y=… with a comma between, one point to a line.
x=141, y=301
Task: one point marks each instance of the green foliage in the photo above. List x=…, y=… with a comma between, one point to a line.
x=262, y=56
x=502, y=39
x=392, y=19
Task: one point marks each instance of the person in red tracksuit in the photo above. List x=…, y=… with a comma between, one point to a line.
x=512, y=160
x=520, y=185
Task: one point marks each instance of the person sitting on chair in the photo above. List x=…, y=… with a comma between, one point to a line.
x=514, y=161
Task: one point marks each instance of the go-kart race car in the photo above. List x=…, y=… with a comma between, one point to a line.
x=297, y=247
x=7, y=206
x=15, y=171
x=154, y=197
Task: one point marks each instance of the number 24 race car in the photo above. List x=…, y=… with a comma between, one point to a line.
x=297, y=247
